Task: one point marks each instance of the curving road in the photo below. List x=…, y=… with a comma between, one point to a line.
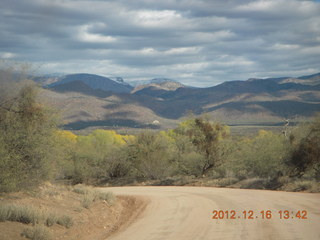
x=186, y=213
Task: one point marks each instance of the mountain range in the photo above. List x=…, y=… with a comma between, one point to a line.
x=90, y=101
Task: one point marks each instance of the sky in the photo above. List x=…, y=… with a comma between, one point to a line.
x=197, y=42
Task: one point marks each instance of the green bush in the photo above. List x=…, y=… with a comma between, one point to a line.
x=151, y=155
x=98, y=157
x=263, y=156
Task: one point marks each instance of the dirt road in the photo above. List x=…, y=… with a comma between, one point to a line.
x=187, y=212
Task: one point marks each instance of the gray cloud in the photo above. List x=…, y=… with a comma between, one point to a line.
x=199, y=42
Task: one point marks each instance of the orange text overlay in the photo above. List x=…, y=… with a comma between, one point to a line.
x=263, y=214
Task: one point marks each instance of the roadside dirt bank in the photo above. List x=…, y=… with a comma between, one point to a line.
x=97, y=222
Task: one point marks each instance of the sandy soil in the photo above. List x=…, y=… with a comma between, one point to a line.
x=186, y=213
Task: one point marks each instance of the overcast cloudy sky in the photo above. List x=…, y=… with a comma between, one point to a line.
x=198, y=42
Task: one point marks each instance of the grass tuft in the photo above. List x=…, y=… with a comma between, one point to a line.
x=65, y=221
x=87, y=200
x=50, y=220
x=107, y=196
x=38, y=232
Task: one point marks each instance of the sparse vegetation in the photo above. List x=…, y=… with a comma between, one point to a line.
x=60, y=214
x=201, y=148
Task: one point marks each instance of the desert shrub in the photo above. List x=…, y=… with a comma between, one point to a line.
x=99, y=156
x=262, y=156
x=191, y=163
x=38, y=232
x=305, y=142
x=151, y=155
x=27, y=142
x=117, y=164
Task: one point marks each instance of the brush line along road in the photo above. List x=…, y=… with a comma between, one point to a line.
x=183, y=213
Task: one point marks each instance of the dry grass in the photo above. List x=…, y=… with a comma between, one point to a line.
x=87, y=200
x=31, y=215
x=65, y=221
x=18, y=213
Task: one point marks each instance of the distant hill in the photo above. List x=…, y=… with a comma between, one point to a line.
x=218, y=100
x=94, y=82
x=114, y=111
x=94, y=101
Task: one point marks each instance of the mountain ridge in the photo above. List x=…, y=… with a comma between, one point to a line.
x=233, y=102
